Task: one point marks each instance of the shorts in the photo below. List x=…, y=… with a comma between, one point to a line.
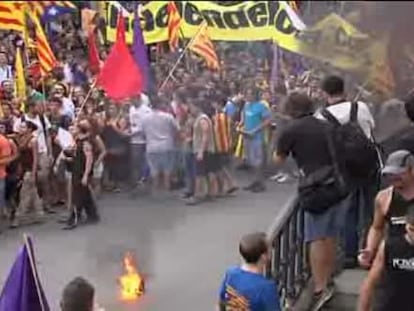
x=253, y=151
x=216, y=163
x=329, y=224
x=223, y=159
x=206, y=166
x=98, y=170
x=161, y=162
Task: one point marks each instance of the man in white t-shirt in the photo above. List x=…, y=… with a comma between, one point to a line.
x=340, y=107
x=6, y=71
x=359, y=216
x=138, y=110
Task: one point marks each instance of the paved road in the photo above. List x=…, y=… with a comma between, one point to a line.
x=183, y=250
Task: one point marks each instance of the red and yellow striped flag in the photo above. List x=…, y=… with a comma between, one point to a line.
x=222, y=132
x=174, y=24
x=39, y=6
x=202, y=46
x=47, y=59
x=11, y=17
x=294, y=5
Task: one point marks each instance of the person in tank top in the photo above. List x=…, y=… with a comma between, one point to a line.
x=28, y=168
x=203, y=148
x=391, y=204
x=393, y=268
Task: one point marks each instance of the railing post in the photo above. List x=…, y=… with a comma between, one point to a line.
x=289, y=266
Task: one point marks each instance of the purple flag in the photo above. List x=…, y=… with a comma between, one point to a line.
x=22, y=290
x=139, y=51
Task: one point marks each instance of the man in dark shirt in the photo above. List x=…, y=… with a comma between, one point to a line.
x=82, y=173
x=394, y=265
x=305, y=139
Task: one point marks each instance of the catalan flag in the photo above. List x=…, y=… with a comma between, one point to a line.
x=47, y=59
x=11, y=17
x=294, y=5
x=39, y=7
x=202, y=46
x=222, y=132
x=174, y=24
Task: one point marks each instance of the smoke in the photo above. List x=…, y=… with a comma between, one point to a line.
x=393, y=19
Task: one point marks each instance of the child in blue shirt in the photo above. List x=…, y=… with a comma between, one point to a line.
x=245, y=288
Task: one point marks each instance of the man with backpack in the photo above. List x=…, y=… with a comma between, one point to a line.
x=320, y=192
x=358, y=158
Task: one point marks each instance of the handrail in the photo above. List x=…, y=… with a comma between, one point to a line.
x=288, y=264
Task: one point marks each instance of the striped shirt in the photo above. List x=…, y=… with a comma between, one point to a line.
x=222, y=132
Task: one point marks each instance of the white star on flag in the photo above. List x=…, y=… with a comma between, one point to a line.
x=53, y=11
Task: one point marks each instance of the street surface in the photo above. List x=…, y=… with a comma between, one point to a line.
x=182, y=250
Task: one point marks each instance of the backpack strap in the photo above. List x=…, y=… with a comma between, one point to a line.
x=330, y=117
x=334, y=158
x=353, y=115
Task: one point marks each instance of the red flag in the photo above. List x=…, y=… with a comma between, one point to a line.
x=120, y=28
x=120, y=76
x=94, y=61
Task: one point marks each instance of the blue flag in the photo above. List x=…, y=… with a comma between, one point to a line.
x=22, y=290
x=52, y=12
x=139, y=50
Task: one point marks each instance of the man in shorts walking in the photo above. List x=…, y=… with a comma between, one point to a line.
x=161, y=132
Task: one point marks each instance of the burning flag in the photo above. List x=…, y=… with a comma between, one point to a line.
x=131, y=283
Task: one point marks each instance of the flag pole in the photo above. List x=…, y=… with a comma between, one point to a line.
x=180, y=57
x=361, y=90
x=34, y=270
x=93, y=86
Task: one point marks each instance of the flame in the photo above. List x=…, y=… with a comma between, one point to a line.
x=132, y=284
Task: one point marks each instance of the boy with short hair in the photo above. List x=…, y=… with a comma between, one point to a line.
x=245, y=288
x=78, y=295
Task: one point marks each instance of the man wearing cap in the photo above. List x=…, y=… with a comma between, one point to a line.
x=391, y=204
x=393, y=265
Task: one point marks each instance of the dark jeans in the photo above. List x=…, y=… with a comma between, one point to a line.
x=137, y=162
x=359, y=218
x=83, y=200
x=113, y=164
x=190, y=172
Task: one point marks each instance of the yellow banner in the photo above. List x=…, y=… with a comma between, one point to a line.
x=246, y=21
x=332, y=40
x=335, y=41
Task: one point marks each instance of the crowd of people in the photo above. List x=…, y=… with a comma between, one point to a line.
x=66, y=143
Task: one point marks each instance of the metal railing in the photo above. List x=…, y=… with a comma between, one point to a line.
x=289, y=264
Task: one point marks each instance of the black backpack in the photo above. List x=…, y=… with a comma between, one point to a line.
x=357, y=154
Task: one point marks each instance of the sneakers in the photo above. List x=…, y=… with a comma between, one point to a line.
x=321, y=298
x=255, y=187
x=258, y=188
